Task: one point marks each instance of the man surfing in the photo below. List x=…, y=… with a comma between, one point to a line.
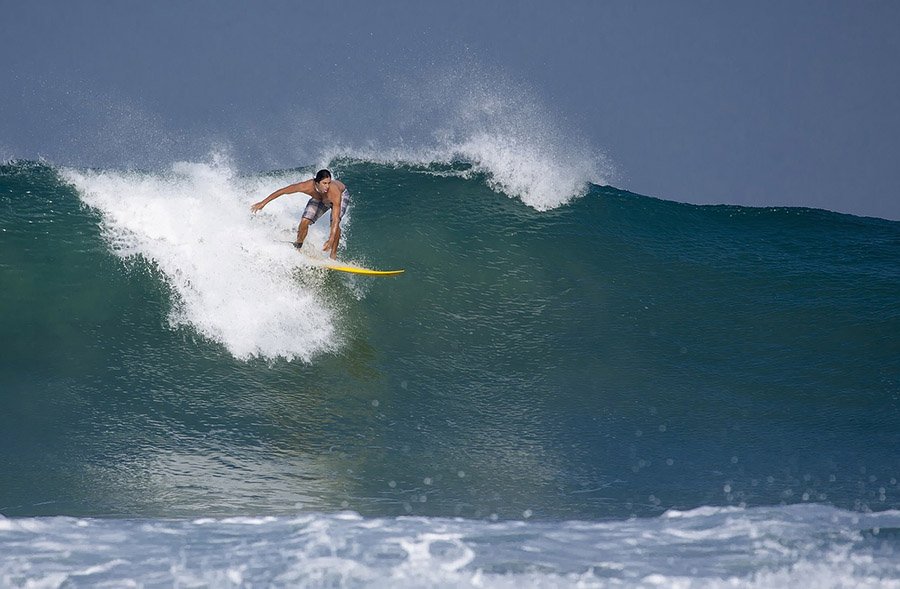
x=325, y=194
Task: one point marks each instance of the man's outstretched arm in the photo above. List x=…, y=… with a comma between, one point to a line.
x=256, y=207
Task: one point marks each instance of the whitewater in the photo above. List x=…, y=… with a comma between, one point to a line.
x=800, y=546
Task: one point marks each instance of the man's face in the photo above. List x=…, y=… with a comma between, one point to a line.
x=323, y=186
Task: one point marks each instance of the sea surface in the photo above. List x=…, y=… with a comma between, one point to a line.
x=572, y=385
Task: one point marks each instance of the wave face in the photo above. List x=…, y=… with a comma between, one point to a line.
x=593, y=355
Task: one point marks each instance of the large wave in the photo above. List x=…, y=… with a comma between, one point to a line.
x=585, y=362
x=233, y=281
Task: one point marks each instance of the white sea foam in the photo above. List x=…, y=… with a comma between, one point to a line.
x=705, y=511
x=803, y=546
x=480, y=116
x=461, y=110
x=6, y=154
x=536, y=172
x=232, y=280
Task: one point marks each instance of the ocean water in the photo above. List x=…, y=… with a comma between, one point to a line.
x=571, y=385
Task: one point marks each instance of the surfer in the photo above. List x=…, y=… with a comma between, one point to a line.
x=325, y=194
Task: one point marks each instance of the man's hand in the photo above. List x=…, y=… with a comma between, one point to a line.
x=255, y=208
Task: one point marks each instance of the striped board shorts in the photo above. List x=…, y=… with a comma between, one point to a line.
x=316, y=208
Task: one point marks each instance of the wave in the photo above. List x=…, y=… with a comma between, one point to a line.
x=617, y=355
x=236, y=284
x=231, y=278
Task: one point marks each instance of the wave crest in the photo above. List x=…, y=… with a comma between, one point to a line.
x=471, y=114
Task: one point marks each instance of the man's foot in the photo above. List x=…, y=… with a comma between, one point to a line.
x=298, y=244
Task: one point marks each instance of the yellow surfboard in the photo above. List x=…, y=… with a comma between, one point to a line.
x=338, y=266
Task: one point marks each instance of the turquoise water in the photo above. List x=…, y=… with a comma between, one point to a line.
x=593, y=358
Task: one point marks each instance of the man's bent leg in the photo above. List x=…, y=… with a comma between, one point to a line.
x=301, y=231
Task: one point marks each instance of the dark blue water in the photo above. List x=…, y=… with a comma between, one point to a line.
x=164, y=355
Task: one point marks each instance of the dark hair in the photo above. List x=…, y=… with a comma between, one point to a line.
x=322, y=174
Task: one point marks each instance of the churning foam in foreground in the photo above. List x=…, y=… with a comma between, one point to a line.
x=805, y=546
x=233, y=282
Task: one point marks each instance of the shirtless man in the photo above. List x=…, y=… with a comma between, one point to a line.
x=325, y=193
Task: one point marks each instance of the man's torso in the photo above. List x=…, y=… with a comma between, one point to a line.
x=334, y=191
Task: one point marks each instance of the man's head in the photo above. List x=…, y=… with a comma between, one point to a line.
x=323, y=181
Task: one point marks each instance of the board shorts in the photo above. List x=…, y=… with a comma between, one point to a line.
x=316, y=208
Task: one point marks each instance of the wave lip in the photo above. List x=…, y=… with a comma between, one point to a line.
x=538, y=175
x=474, y=115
